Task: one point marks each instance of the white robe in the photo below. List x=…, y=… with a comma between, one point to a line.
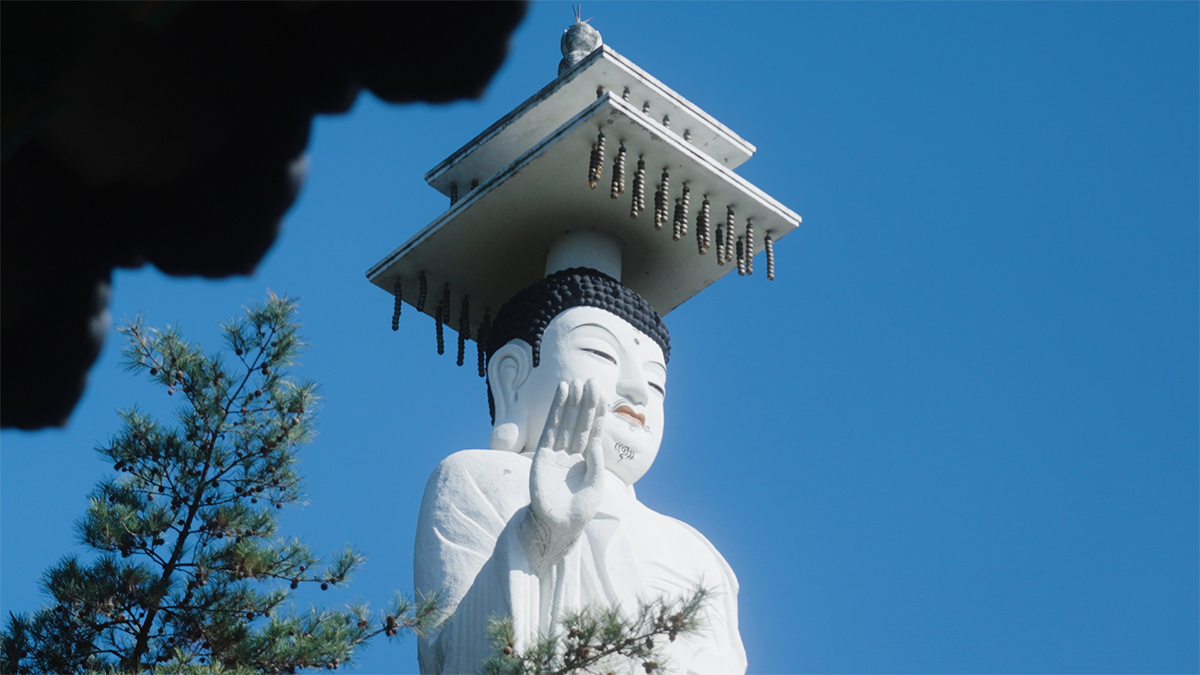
x=469, y=548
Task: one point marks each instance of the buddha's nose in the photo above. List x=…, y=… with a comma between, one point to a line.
x=634, y=388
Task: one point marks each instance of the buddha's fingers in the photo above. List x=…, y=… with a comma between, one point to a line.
x=585, y=422
x=565, y=436
x=554, y=417
x=594, y=453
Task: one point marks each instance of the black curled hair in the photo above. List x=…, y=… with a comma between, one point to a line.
x=530, y=311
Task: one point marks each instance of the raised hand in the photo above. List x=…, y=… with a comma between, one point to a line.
x=566, y=482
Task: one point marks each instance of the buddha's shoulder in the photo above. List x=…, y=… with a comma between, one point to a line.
x=671, y=539
x=483, y=462
x=496, y=474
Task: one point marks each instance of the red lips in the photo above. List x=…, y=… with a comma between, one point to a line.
x=628, y=412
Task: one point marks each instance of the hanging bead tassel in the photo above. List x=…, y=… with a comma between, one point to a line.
x=638, y=203
x=423, y=292
x=676, y=229
x=681, y=211
x=625, y=94
x=660, y=200
x=481, y=341
x=720, y=246
x=749, y=247
x=592, y=168
x=437, y=328
x=618, y=179
x=441, y=314
x=729, y=229
x=702, y=225
x=464, y=327
x=453, y=193
x=769, y=244
x=741, y=258
x=399, y=304
x=596, y=168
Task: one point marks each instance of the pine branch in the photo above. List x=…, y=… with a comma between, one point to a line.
x=599, y=638
x=192, y=575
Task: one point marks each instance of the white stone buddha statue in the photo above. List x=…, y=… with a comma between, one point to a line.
x=547, y=521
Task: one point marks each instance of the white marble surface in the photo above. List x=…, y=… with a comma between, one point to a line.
x=547, y=521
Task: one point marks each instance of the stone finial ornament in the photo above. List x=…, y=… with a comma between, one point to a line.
x=578, y=40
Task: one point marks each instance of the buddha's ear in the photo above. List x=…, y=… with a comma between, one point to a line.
x=507, y=370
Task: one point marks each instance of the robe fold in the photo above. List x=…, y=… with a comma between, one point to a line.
x=469, y=549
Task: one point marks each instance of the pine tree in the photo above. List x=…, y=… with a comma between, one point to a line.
x=600, y=640
x=192, y=574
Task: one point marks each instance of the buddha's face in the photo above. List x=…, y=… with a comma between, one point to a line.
x=628, y=370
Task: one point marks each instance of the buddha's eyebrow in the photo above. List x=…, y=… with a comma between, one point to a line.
x=596, y=325
x=658, y=367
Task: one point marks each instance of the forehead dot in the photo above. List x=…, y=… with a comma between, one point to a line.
x=637, y=341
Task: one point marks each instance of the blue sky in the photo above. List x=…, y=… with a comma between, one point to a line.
x=958, y=434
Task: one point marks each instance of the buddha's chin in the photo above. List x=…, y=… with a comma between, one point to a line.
x=628, y=450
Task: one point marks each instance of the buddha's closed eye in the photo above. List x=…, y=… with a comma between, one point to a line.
x=601, y=354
